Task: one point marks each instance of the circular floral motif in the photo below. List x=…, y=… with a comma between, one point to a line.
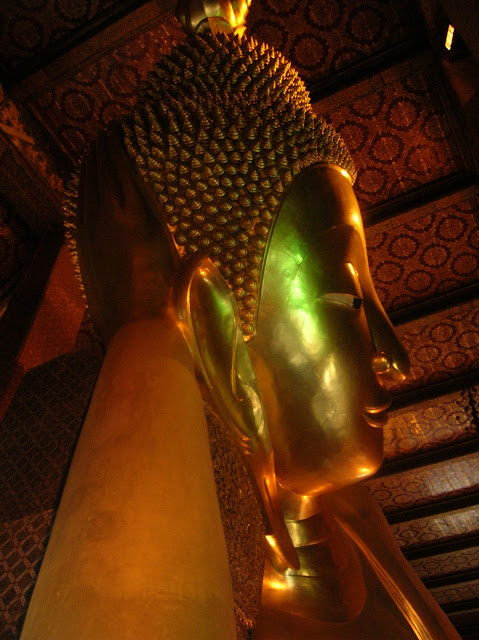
x=468, y=340
x=389, y=272
x=418, y=281
x=451, y=227
x=26, y=33
x=427, y=353
x=353, y=134
x=372, y=180
x=387, y=148
x=271, y=33
x=402, y=114
x=421, y=159
x=367, y=24
x=309, y=51
x=77, y=105
x=466, y=263
x=434, y=255
x=473, y=238
x=325, y=16
x=403, y=246
x=442, y=332
x=454, y=360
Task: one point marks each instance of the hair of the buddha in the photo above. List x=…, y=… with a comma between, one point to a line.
x=221, y=127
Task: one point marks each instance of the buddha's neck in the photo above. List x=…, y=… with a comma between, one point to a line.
x=326, y=555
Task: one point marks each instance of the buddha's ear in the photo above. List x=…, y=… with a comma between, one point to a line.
x=211, y=326
x=210, y=322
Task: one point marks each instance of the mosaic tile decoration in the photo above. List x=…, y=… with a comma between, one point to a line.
x=435, y=423
x=30, y=26
x=77, y=107
x=411, y=261
x=321, y=38
x=425, y=531
x=398, y=133
x=37, y=438
x=440, y=346
x=39, y=431
x=22, y=545
x=456, y=592
x=426, y=485
x=446, y=563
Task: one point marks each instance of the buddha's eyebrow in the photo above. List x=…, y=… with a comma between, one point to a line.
x=349, y=299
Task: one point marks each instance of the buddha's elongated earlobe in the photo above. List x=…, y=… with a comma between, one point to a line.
x=210, y=322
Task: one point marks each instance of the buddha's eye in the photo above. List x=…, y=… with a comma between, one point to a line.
x=348, y=299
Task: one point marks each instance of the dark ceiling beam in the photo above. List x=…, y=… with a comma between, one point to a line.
x=433, y=456
x=438, y=507
x=428, y=550
x=76, y=37
x=463, y=605
x=451, y=578
x=435, y=390
x=320, y=89
x=419, y=197
x=440, y=302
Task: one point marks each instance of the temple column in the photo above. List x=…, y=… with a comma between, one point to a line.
x=137, y=547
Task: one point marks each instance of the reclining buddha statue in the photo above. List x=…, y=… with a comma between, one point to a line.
x=216, y=230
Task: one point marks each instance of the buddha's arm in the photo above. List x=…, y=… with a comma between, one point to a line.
x=137, y=548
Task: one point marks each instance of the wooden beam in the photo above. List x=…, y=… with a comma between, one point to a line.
x=451, y=578
x=438, y=507
x=463, y=605
x=433, y=456
x=320, y=89
x=101, y=21
x=440, y=302
x=419, y=197
x=435, y=390
x=457, y=543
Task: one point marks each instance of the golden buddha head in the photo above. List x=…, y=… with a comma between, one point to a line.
x=249, y=196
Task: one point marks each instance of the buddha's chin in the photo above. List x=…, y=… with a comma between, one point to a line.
x=327, y=478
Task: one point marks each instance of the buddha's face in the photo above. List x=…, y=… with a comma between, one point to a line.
x=323, y=343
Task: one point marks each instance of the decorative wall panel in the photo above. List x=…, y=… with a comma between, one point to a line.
x=414, y=260
x=447, y=563
x=428, y=425
x=398, y=133
x=30, y=26
x=322, y=38
x=426, y=485
x=22, y=545
x=457, y=592
x=37, y=438
x=425, y=531
x=76, y=107
x=442, y=345
x=39, y=431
